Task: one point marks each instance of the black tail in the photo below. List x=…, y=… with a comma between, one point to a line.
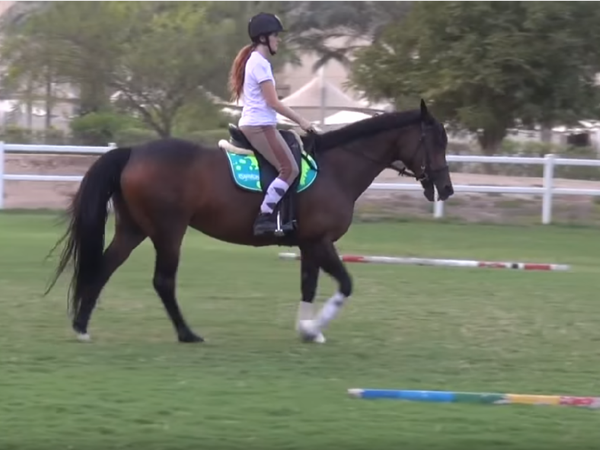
x=88, y=213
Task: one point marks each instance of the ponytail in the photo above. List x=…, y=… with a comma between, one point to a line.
x=236, y=75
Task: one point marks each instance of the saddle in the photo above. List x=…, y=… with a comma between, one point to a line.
x=285, y=211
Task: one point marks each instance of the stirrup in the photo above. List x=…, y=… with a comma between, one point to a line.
x=278, y=230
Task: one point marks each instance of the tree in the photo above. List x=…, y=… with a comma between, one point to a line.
x=165, y=62
x=19, y=13
x=32, y=67
x=489, y=66
x=154, y=56
x=158, y=58
x=82, y=39
x=313, y=24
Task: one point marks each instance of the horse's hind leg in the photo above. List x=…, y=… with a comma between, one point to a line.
x=168, y=249
x=328, y=259
x=127, y=237
x=309, y=272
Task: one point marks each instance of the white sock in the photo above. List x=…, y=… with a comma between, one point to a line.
x=274, y=193
x=306, y=311
x=330, y=310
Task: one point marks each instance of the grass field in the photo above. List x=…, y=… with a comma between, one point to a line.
x=253, y=385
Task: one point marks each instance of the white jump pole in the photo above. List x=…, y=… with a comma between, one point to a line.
x=441, y=262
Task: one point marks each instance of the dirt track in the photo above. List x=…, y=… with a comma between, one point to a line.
x=471, y=207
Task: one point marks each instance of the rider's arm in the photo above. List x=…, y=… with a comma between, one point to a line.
x=270, y=95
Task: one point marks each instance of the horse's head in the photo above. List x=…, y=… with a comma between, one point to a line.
x=424, y=153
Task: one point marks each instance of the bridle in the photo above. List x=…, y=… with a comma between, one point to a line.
x=403, y=171
x=427, y=172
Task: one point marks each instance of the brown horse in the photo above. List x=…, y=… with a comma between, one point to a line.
x=161, y=188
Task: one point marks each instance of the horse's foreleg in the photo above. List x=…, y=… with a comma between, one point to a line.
x=328, y=259
x=309, y=271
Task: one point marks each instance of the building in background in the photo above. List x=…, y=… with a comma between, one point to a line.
x=319, y=94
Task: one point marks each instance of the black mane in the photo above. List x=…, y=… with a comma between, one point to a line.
x=367, y=127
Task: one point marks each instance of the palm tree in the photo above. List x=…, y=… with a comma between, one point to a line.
x=314, y=24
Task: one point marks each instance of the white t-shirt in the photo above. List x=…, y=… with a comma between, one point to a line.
x=256, y=110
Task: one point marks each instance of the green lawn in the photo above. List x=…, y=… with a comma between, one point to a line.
x=253, y=385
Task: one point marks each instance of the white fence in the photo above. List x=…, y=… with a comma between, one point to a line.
x=547, y=191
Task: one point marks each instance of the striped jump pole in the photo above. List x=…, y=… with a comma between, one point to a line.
x=476, y=398
x=440, y=262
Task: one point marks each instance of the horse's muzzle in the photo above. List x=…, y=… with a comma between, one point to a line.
x=441, y=182
x=445, y=192
x=428, y=190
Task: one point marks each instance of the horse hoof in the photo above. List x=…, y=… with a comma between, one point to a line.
x=309, y=332
x=320, y=339
x=83, y=337
x=190, y=338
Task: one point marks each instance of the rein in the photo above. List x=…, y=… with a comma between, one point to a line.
x=404, y=171
x=427, y=172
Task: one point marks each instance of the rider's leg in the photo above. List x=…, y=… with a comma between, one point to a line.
x=269, y=142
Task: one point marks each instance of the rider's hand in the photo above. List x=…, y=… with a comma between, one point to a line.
x=307, y=126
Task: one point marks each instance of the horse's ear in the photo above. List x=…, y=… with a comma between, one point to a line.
x=424, y=110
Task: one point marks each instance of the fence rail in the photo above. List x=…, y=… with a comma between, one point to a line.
x=547, y=191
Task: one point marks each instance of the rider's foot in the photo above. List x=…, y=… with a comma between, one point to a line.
x=264, y=224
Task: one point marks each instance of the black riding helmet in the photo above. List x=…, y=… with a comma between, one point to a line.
x=263, y=24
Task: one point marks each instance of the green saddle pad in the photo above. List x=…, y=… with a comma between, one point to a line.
x=246, y=174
